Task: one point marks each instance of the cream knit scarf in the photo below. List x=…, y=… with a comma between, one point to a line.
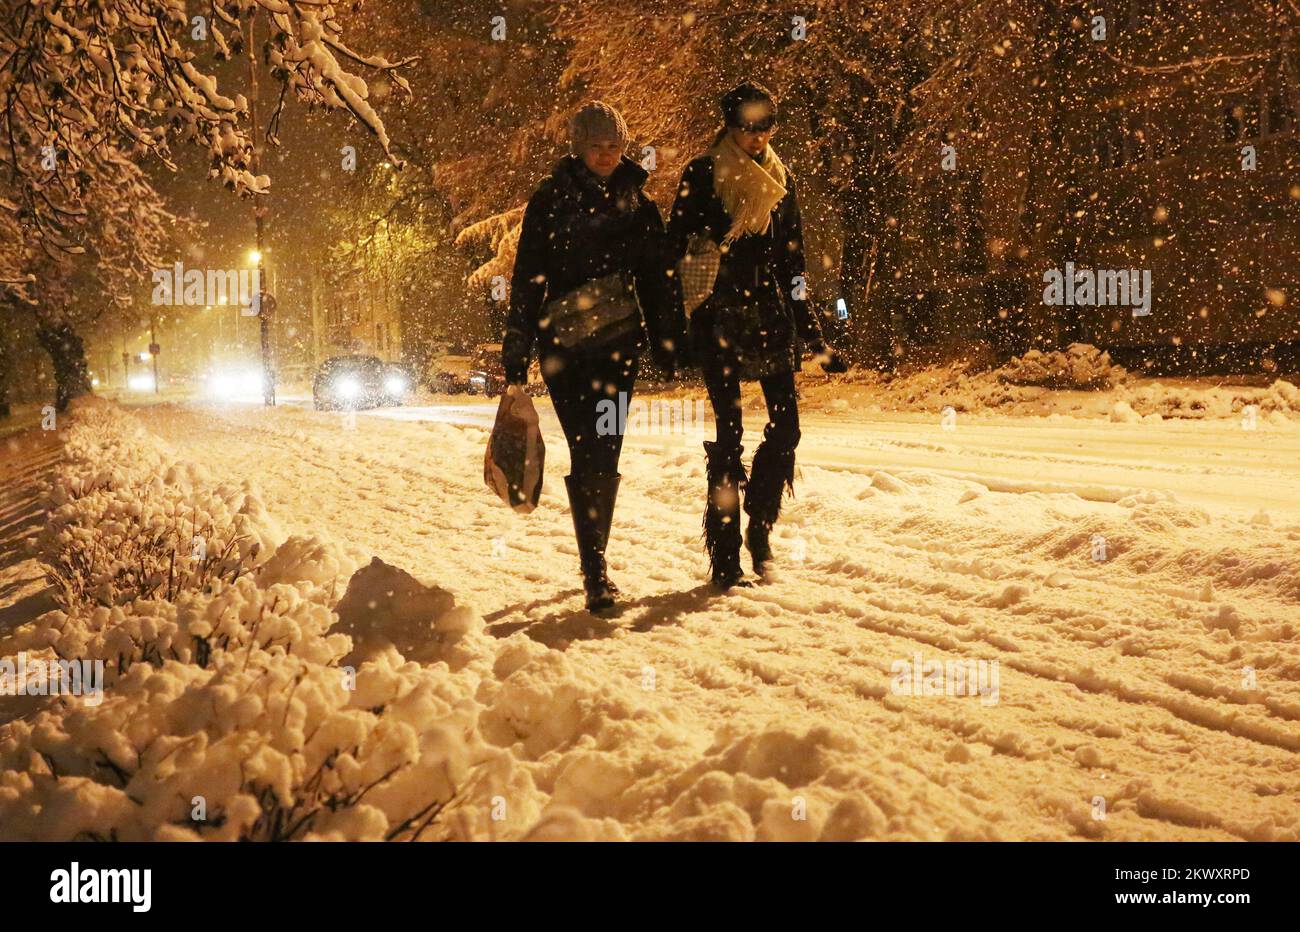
x=749, y=190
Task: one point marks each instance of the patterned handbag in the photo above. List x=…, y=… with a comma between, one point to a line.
x=698, y=271
x=595, y=313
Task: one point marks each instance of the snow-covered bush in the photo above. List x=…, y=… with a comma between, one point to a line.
x=227, y=713
x=278, y=619
x=126, y=522
x=257, y=746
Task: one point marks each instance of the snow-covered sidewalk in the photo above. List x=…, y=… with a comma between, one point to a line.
x=1124, y=592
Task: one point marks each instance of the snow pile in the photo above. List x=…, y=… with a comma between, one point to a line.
x=1277, y=404
x=1080, y=382
x=227, y=713
x=929, y=389
x=387, y=607
x=1081, y=366
x=256, y=745
x=278, y=703
x=1026, y=384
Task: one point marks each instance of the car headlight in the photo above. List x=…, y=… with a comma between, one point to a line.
x=347, y=387
x=222, y=386
x=140, y=383
x=233, y=384
x=395, y=385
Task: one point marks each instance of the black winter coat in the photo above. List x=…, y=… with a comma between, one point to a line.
x=757, y=275
x=577, y=229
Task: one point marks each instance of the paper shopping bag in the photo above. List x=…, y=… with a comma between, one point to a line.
x=512, y=466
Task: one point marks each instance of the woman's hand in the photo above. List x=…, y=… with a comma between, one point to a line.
x=668, y=358
x=832, y=363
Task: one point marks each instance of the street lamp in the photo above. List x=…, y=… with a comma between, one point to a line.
x=153, y=351
x=259, y=212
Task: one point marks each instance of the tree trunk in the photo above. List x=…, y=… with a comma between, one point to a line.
x=1052, y=181
x=4, y=376
x=68, y=355
x=854, y=262
x=868, y=260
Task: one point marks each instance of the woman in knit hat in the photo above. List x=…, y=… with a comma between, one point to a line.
x=590, y=279
x=738, y=199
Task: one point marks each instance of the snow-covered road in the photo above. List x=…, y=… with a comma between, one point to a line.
x=1216, y=464
x=1137, y=587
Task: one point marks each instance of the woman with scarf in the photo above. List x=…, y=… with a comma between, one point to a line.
x=590, y=276
x=739, y=199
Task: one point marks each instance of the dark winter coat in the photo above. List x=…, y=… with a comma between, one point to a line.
x=577, y=229
x=757, y=277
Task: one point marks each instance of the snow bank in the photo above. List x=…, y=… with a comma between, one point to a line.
x=228, y=713
x=1278, y=404
x=1081, y=381
x=1081, y=366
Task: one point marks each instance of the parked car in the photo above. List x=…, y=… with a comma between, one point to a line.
x=449, y=374
x=479, y=374
x=487, y=376
x=355, y=382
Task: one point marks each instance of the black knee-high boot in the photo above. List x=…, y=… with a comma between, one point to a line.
x=726, y=476
x=591, y=501
x=771, y=474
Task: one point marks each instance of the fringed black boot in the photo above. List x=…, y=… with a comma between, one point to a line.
x=591, y=501
x=726, y=478
x=771, y=474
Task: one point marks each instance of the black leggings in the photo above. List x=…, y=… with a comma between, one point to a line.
x=782, y=431
x=576, y=392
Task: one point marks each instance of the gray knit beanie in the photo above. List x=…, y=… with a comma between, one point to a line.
x=593, y=122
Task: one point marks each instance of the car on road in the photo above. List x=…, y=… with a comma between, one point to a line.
x=358, y=381
x=399, y=383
